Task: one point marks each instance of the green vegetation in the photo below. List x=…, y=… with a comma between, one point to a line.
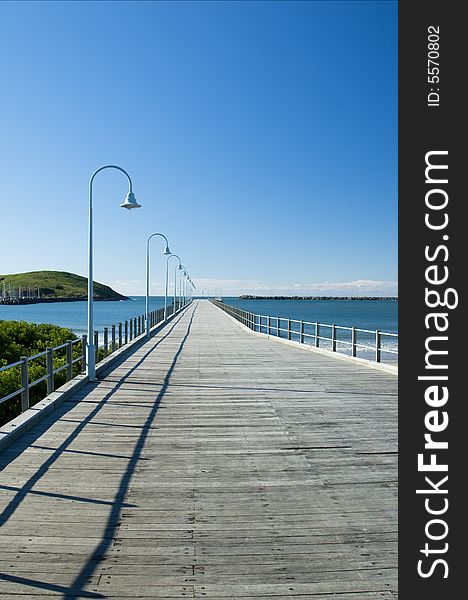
x=59, y=285
x=18, y=338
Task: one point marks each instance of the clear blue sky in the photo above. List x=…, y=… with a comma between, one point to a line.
x=261, y=138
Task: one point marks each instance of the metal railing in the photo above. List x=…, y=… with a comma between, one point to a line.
x=353, y=341
x=53, y=361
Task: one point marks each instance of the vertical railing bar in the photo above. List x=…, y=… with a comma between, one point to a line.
x=106, y=340
x=24, y=369
x=96, y=346
x=50, y=369
x=69, y=353
x=84, y=343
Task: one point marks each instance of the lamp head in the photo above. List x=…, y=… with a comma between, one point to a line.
x=166, y=250
x=179, y=268
x=130, y=202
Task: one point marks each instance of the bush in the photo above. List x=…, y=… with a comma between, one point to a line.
x=18, y=338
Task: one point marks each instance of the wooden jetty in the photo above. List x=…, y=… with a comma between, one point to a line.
x=210, y=463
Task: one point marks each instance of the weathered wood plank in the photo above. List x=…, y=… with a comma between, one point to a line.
x=211, y=463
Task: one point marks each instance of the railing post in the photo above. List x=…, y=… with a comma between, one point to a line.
x=106, y=340
x=84, y=343
x=113, y=338
x=126, y=332
x=317, y=334
x=69, y=349
x=96, y=346
x=131, y=330
x=50, y=370
x=378, y=342
x=120, y=335
x=24, y=383
x=353, y=341
x=268, y=325
x=278, y=332
x=289, y=329
x=301, y=338
x=333, y=337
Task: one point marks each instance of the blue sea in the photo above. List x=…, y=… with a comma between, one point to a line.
x=369, y=315
x=74, y=314
x=363, y=314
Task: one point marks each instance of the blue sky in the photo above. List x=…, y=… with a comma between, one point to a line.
x=261, y=138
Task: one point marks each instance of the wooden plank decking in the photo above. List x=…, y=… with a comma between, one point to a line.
x=212, y=463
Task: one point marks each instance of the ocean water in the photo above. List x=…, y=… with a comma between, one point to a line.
x=363, y=314
x=366, y=314
x=74, y=314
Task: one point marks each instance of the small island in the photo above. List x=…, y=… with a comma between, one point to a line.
x=249, y=297
x=51, y=286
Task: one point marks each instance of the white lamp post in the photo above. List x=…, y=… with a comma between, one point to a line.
x=129, y=203
x=167, y=279
x=184, y=286
x=178, y=268
x=166, y=252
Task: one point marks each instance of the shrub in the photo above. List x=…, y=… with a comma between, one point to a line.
x=18, y=338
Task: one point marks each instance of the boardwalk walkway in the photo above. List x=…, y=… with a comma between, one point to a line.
x=212, y=463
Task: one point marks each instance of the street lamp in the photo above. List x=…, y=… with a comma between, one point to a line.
x=191, y=288
x=182, y=283
x=129, y=203
x=167, y=280
x=178, y=268
x=166, y=252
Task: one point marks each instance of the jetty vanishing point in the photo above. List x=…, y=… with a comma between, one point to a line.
x=209, y=461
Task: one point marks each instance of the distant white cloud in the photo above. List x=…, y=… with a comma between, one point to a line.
x=235, y=287
x=134, y=287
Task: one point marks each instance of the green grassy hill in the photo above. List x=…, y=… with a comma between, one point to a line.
x=59, y=284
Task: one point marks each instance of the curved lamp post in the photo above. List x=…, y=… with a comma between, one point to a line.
x=129, y=203
x=190, y=288
x=181, y=282
x=178, y=268
x=167, y=281
x=166, y=252
x=184, y=285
